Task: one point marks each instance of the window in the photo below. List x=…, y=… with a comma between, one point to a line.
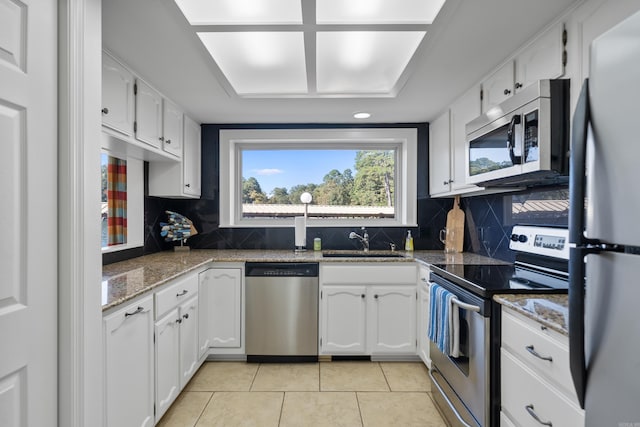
x=355, y=176
x=126, y=227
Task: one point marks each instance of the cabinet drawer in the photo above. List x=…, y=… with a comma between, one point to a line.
x=522, y=389
x=522, y=337
x=371, y=274
x=175, y=294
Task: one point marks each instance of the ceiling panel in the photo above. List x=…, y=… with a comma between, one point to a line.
x=260, y=62
x=227, y=12
x=363, y=62
x=377, y=11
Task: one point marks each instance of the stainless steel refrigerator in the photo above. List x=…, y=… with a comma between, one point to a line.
x=604, y=289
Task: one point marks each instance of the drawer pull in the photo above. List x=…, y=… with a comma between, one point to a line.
x=184, y=292
x=538, y=355
x=535, y=416
x=133, y=313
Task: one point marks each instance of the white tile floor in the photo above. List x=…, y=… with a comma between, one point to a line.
x=315, y=394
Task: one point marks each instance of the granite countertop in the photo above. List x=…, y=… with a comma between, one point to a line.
x=123, y=281
x=549, y=310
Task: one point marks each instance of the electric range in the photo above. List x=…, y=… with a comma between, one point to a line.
x=467, y=387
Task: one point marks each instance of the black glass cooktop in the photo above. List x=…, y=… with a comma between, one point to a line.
x=486, y=280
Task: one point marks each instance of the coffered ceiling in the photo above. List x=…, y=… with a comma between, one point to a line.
x=318, y=61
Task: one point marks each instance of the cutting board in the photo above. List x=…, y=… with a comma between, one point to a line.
x=455, y=228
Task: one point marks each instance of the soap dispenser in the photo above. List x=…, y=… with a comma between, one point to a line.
x=408, y=244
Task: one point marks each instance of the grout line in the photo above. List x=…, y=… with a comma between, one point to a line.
x=385, y=376
x=204, y=408
x=284, y=395
x=255, y=375
x=359, y=409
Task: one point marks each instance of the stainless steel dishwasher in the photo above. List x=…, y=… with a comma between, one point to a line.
x=281, y=312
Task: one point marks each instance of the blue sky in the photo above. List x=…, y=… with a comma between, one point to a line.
x=287, y=168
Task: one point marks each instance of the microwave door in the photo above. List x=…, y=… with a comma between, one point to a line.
x=536, y=136
x=493, y=149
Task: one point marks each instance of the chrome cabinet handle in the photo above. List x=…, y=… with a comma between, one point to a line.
x=518, y=85
x=133, y=313
x=105, y=110
x=184, y=292
x=531, y=350
x=535, y=416
x=507, y=91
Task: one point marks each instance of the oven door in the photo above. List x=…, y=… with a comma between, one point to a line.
x=461, y=384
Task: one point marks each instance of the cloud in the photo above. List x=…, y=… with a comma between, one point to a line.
x=266, y=172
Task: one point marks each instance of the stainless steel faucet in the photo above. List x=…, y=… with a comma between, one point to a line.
x=364, y=238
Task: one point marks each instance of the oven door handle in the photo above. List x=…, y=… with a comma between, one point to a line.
x=446, y=398
x=465, y=306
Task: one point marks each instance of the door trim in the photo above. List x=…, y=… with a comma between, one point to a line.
x=80, y=369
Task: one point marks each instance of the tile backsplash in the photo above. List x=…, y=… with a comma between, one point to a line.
x=488, y=224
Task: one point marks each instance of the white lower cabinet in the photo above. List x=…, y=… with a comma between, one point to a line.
x=128, y=365
x=176, y=336
x=368, y=310
x=221, y=317
x=344, y=319
x=423, y=314
x=536, y=385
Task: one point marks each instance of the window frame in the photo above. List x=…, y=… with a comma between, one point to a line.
x=403, y=140
x=135, y=202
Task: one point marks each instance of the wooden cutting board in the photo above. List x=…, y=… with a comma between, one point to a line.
x=455, y=228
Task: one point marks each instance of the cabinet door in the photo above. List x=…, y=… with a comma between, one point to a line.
x=204, y=312
x=188, y=340
x=148, y=115
x=172, y=128
x=542, y=59
x=191, y=162
x=343, y=319
x=439, y=155
x=117, y=96
x=465, y=109
x=498, y=87
x=392, y=323
x=423, y=316
x=167, y=361
x=225, y=307
x=129, y=362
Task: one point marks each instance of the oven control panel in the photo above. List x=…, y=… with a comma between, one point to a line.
x=553, y=242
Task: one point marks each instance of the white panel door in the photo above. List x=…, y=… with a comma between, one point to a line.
x=167, y=357
x=440, y=155
x=343, y=319
x=392, y=320
x=117, y=96
x=465, y=109
x=191, y=160
x=498, y=87
x=225, y=307
x=28, y=177
x=188, y=340
x=172, y=128
x=148, y=115
x=128, y=365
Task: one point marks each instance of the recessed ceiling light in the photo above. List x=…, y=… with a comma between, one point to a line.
x=361, y=115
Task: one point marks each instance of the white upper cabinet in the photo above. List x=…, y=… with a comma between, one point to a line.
x=117, y=96
x=191, y=158
x=148, y=115
x=465, y=109
x=439, y=155
x=544, y=58
x=499, y=86
x=172, y=128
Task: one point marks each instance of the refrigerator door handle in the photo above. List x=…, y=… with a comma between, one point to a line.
x=577, y=167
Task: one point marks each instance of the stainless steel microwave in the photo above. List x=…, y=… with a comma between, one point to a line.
x=524, y=141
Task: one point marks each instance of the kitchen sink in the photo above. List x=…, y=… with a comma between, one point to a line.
x=362, y=254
